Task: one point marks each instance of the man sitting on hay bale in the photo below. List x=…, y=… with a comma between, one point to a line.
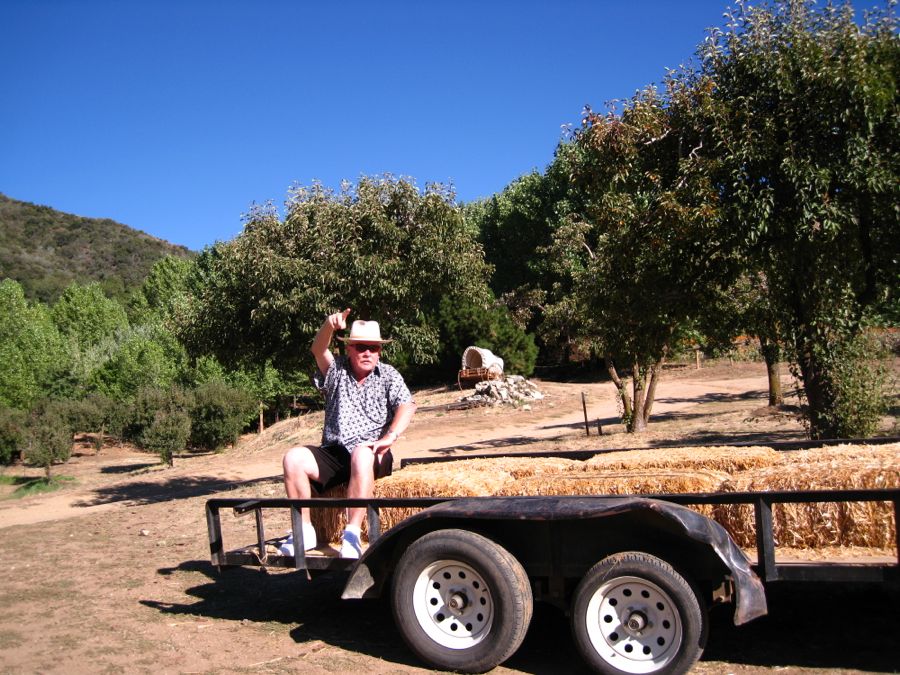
x=367, y=407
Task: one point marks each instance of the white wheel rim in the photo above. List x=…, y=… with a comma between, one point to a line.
x=453, y=604
x=634, y=625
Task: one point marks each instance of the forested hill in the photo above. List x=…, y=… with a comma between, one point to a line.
x=45, y=250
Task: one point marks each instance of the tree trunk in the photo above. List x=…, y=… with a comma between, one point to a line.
x=819, y=398
x=771, y=352
x=638, y=419
x=621, y=389
x=655, y=370
x=261, y=424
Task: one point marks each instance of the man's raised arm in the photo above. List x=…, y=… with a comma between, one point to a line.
x=321, y=346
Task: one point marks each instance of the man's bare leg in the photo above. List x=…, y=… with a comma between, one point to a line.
x=362, y=482
x=299, y=469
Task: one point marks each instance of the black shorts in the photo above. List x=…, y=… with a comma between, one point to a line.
x=334, y=466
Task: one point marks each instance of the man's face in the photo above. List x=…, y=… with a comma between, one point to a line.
x=363, y=358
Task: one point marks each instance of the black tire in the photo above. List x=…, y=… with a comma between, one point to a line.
x=633, y=613
x=461, y=601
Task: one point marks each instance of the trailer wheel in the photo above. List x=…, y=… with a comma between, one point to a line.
x=633, y=613
x=461, y=601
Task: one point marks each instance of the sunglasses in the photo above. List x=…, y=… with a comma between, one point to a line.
x=366, y=348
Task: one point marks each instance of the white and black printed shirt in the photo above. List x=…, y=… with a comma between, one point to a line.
x=355, y=414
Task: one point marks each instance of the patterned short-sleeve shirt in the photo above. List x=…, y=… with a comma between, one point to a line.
x=359, y=414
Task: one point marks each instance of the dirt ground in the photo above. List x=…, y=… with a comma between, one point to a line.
x=112, y=574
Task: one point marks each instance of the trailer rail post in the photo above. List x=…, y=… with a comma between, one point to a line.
x=214, y=528
x=299, y=544
x=765, y=538
x=374, y=517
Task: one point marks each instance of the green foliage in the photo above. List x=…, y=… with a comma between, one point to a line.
x=42, y=486
x=32, y=352
x=463, y=324
x=807, y=126
x=47, y=250
x=857, y=384
x=13, y=434
x=50, y=439
x=167, y=433
x=383, y=248
x=140, y=357
x=84, y=315
x=136, y=417
x=218, y=415
x=164, y=286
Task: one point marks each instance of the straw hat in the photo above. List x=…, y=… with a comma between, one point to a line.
x=366, y=332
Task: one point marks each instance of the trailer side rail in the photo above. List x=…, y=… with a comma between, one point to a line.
x=766, y=567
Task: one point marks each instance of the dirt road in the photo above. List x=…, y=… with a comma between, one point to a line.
x=112, y=574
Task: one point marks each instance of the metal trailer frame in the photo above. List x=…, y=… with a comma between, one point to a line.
x=766, y=566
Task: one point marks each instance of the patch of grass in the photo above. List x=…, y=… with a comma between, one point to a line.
x=33, y=486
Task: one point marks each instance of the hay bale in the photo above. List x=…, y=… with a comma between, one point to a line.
x=635, y=482
x=719, y=458
x=867, y=524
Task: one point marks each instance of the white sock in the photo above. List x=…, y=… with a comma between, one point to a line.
x=353, y=529
x=309, y=535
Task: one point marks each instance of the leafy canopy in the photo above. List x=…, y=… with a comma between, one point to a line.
x=382, y=248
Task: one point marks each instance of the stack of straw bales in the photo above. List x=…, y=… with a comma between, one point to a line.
x=868, y=524
x=674, y=470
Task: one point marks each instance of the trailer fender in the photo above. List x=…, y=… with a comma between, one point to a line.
x=374, y=567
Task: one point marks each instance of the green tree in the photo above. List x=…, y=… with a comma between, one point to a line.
x=50, y=440
x=13, y=434
x=383, y=248
x=464, y=324
x=807, y=130
x=218, y=414
x=164, y=286
x=84, y=315
x=32, y=352
x=140, y=357
x=643, y=251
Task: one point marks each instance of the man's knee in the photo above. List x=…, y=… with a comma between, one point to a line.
x=297, y=461
x=362, y=458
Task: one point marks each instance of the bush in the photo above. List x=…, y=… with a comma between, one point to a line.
x=167, y=433
x=463, y=324
x=12, y=434
x=219, y=414
x=50, y=439
x=135, y=418
x=857, y=377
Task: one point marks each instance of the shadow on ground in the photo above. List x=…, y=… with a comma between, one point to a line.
x=141, y=493
x=809, y=626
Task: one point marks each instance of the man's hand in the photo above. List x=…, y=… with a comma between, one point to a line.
x=384, y=444
x=338, y=320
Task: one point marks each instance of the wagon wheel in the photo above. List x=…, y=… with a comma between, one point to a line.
x=633, y=613
x=461, y=601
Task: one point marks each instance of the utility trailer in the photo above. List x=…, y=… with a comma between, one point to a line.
x=635, y=573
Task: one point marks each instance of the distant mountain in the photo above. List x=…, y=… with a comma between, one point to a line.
x=46, y=250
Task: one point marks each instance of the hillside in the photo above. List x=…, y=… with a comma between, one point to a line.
x=45, y=250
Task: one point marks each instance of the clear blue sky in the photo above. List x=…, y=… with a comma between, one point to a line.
x=173, y=116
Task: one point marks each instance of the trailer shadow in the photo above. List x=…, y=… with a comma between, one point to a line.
x=812, y=626
x=141, y=493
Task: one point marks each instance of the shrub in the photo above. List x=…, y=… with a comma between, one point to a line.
x=218, y=414
x=50, y=439
x=167, y=433
x=12, y=434
x=857, y=377
x=136, y=417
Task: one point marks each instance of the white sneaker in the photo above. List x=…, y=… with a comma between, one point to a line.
x=309, y=540
x=351, y=546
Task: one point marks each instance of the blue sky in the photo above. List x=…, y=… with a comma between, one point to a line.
x=174, y=116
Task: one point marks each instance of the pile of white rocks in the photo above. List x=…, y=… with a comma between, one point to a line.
x=510, y=390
